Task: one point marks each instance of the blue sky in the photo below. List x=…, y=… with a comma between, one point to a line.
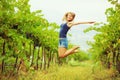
x=86, y=10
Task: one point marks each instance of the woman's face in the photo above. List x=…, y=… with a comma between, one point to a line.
x=69, y=17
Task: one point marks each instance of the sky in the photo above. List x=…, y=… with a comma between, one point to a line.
x=85, y=10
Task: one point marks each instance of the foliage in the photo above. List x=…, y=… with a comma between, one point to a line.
x=25, y=36
x=79, y=56
x=106, y=45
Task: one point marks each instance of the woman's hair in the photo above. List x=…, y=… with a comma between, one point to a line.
x=66, y=14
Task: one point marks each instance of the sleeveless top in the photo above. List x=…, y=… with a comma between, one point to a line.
x=63, y=30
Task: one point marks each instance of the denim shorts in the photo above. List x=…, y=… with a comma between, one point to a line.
x=63, y=42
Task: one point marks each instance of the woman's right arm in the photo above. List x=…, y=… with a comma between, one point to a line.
x=70, y=24
x=77, y=23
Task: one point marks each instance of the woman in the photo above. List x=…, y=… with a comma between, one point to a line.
x=63, y=42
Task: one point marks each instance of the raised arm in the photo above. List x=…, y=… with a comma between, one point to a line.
x=70, y=24
x=77, y=23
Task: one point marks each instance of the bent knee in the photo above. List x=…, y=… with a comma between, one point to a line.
x=61, y=56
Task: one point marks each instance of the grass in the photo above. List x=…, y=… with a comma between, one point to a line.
x=84, y=71
x=74, y=70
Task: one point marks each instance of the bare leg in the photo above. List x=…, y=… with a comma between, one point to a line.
x=70, y=51
x=63, y=52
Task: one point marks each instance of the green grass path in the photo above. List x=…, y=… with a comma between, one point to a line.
x=66, y=73
x=78, y=71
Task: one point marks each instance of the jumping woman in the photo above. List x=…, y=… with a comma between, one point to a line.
x=64, y=27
